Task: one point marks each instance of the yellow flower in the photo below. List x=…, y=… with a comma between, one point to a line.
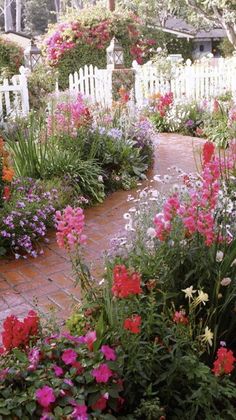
x=207, y=337
x=189, y=292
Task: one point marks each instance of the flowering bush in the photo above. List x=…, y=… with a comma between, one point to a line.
x=26, y=217
x=57, y=375
x=6, y=174
x=83, y=39
x=68, y=117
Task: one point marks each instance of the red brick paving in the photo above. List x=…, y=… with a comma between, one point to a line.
x=46, y=283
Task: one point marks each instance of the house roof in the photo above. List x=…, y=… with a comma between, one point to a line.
x=184, y=27
x=21, y=39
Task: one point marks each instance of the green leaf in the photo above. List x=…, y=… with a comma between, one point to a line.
x=31, y=407
x=20, y=355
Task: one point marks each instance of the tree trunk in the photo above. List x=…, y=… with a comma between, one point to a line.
x=18, y=15
x=231, y=33
x=8, y=16
x=111, y=5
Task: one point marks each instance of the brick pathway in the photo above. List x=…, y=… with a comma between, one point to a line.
x=46, y=282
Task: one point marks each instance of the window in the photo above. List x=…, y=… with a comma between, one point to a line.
x=201, y=48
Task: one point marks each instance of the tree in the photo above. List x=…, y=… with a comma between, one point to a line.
x=18, y=15
x=36, y=16
x=218, y=12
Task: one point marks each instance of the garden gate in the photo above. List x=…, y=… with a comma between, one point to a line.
x=94, y=83
x=14, y=97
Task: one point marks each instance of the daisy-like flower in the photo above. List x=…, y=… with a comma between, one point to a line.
x=201, y=298
x=189, y=292
x=219, y=256
x=127, y=216
x=207, y=337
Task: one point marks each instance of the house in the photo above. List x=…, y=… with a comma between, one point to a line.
x=18, y=38
x=204, y=41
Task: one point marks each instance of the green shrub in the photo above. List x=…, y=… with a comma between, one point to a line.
x=11, y=58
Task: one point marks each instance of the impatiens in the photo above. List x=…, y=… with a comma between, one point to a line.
x=45, y=396
x=69, y=356
x=224, y=364
x=102, y=374
x=108, y=352
x=125, y=284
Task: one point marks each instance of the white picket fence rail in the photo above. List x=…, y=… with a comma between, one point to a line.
x=14, y=97
x=202, y=80
x=93, y=83
x=205, y=79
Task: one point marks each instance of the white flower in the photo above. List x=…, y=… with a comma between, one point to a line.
x=155, y=193
x=127, y=216
x=143, y=194
x=201, y=298
x=219, y=256
x=151, y=232
x=207, y=337
x=157, y=178
x=189, y=292
x=100, y=178
x=129, y=227
x=233, y=263
x=167, y=178
x=132, y=209
x=225, y=281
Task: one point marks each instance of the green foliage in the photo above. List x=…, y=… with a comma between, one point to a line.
x=36, y=16
x=41, y=83
x=226, y=48
x=11, y=58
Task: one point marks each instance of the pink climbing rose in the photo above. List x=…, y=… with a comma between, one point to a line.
x=102, y=374
x=45, y=396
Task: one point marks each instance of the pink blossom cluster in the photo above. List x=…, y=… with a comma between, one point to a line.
x=232, y=115
x=164, y=103
x=68, y=117
x=196, y=212
x=68, y=34
x=70, y=225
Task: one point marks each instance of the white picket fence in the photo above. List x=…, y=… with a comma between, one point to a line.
x=204, y=79
x=93, y=83
x=14, y=97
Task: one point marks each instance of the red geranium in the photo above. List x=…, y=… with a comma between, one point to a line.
x=133, y=324
x=124, y=283
x=18, y=333
x=224, y=364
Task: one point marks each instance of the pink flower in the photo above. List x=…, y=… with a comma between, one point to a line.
x=33, y=356
x=80, y=411
x=45, y=396
x=69, y=356
x=90, y=338
x=108, y=352
x=70, y=225
x=58, y=370
x=102, y=373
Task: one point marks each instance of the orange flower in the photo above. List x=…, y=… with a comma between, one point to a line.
x=7, y=174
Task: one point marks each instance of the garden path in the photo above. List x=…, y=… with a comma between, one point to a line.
x=46, y=283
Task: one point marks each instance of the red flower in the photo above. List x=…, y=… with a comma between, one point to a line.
x=133, y=324
x=180, y=318
x=224, y=364
x=100, y=404
x=6, y=193
x=125, y=284
x=19, y=333
x=208, y=152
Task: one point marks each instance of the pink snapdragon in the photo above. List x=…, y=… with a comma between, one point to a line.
x=70, y=225
x=68, y=117
x=102, y=374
